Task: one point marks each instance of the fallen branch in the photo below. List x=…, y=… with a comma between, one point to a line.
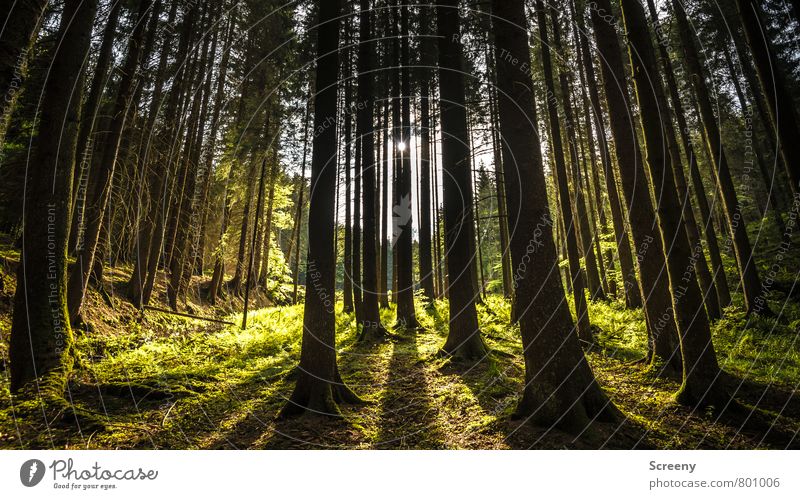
x=210, y=319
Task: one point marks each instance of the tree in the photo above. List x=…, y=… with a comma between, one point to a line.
x=633, y=297
x=100, y=184
x=773, y=84
x=41, y=337
x=564, y=196
x=720, y=282
x=91, y=108
x=649, y=255
x=19, y=33
x=427, y=61
x=586, y=238
x=406, y=315
x=464, y=337
x=371, y=324
x=701, y=372
x=560, y=388
x=751, y=282
x=319, y=386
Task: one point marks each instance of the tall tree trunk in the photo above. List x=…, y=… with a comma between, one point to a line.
x=348, y=200
x=299, y=213
x=701, y=372
x=500, y=182
x=774, y=86
x=98, y=198
x=649, y=255
x=275, y=172
x=567, y=214
x=760, y=157
x=161, y=186
x=319, y=385
x=370, y=314
x=560, y=388
x=633, y=296
x=427, y=62
x=751, y=282
x=384, y=242
x=40, y=345
x=145, y=236
x=180, y=265
x=90, y=109
x=464, y=338
x=720, y=284
x=219, y=103
x=406, y=315
x=698, y=258
x=20, y=30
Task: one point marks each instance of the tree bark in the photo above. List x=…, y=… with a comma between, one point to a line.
x=701, y=372
x=319, y=385
x=560, y=388
x=567, y=214
x=649, y=255
x=371, y=320
x=19, y=33
x=774, y=86
x=99, y=195
x=633, y=296
x=41, y=338
x=751, y=282
x=464, y=337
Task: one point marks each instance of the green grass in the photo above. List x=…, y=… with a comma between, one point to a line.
x=171, y=382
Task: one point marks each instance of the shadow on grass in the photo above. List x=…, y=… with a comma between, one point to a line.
x=767, y=414
x=408, y=419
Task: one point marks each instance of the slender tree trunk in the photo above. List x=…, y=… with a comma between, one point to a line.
x=319, y=385
x=275, y=172
x=90, y=109
x=357, y=295
x=17, y=36
x=649, y=255
x=427, y=62
x=98, y=198
x=567, y=214
x=370, y=314
x=700, y=369
x=464, y=338
x=299, y=213
x=702, y=273
x=348, y=200
x=633, y=296
x=586, y=236
x=500, y=183
x=774, y=86
x=760, y=157
x=750, y=280
x=406, y=315
x=560, y=388
x=384, y=245
x=145, y=236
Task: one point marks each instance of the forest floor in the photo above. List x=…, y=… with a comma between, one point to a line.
x=156, y=380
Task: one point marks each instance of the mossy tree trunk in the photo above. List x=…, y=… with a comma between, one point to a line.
x=41, y=337
x=560, y=388
x=649, y=251
x=701, y=373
